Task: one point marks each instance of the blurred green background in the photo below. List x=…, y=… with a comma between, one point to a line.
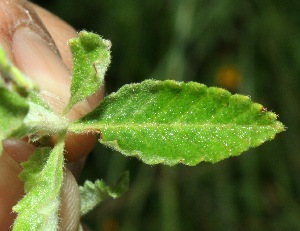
x=250, y=47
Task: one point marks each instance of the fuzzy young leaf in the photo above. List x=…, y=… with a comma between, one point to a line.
x=91, y=58
x=43, y=176
x=41, y=120
x=11, y=74
x=13, y=109
x=170, y=122
x=91, y=194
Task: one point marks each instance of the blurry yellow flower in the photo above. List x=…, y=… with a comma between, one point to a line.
x=228, y=77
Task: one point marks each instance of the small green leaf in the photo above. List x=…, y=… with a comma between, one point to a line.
x=11, y=74
x=40, y=120
x=170, y=122
x=13, y=109
x=91, y=194
x=43, y=176
x=91, y=58
x=36, y=99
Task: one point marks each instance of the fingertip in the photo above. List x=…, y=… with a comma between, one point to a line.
x=79, y=145
x=70, y=203
x=19, y=150
x=96, y=98
x=11, y=189
x=60, y=31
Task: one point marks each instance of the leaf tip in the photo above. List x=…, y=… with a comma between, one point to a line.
x=91, y=40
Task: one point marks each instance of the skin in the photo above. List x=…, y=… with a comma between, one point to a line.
x=36, y=41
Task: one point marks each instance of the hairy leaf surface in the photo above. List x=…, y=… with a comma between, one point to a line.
x=13, y=109
x=170, y=122
x=43, y=121
x=91, y=58
x=13, y=77
x=43, y=176
x=91, y=194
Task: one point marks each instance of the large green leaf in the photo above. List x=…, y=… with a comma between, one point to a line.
x=170, y=122
x=43, y=176
x=13, y=109
x=91, y=58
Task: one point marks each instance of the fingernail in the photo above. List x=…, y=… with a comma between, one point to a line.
x=39, y=61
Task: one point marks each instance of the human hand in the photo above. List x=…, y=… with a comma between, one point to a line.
x=36, y=41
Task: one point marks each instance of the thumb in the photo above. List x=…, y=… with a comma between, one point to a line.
x=11, y=187
x=10, y=192
x=70, y=203
x=31, y=48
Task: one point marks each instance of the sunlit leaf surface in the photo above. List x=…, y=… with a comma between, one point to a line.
x=13, y=109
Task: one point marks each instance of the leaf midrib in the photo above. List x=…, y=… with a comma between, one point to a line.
x=172, y=125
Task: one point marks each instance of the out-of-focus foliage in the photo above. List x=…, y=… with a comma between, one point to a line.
x=251, y=47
